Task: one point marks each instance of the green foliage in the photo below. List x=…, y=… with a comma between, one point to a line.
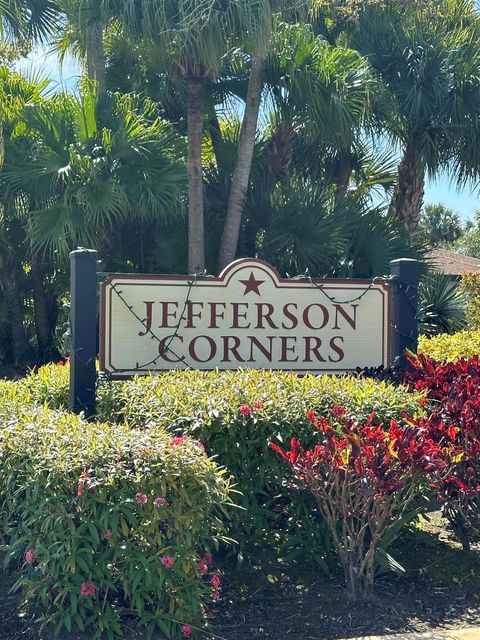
x=440, y=225
x=470, y=285
x=87, y=167
x=208, y=406
x=428, y=59
x=469, y=243
x=441, y=305
x=450, y=348
x=101, y=504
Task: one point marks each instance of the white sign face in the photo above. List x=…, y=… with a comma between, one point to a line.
x=247, y=317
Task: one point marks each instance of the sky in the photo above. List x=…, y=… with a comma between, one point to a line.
x=464, y=201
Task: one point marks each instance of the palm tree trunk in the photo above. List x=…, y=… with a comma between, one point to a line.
x=196, y=240
x=96, y=55
x=20, y=345
x=407, y=199
x=41, y=307
x=241, y=174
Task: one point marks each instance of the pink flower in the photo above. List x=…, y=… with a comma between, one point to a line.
x=186, y=630
x=178, y=440
x=245, y=410
x=339, y=411
x=216, y=581
x=141, y=498
x=208, y=558
x=199, y=445
x=106, y=535
x=88, y=589
x=202, y=566
x=258, y=404
x=30, y=556
x=167, y=561
x=159, y=501
x=60, y=363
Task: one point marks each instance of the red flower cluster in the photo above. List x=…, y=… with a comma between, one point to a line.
x=30, y=556
x=167, y=561
x=245, y=410
x=88, y=589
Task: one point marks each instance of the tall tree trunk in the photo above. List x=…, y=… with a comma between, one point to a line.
x=42, y=313
x=241, y=174
x=196, y=239
x=407, y=199
x=20, y=345
x=96, y=55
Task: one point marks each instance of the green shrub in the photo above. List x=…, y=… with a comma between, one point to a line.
x=207, y=406
x=49, y=385
x=449, y=348
x=93, y=513
x=470, y=285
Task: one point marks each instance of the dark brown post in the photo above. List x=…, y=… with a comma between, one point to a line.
x=83, y=326
x=404, y=308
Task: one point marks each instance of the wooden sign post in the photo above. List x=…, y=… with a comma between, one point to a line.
x=404, y=308
x=83, y=327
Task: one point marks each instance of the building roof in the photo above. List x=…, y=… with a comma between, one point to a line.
x=453, y=263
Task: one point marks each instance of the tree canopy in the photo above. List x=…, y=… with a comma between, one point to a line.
x=293, y=130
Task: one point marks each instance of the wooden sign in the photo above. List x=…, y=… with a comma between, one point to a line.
x=247, y=317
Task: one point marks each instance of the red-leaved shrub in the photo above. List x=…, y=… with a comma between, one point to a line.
x=454, y=425
x=363, y=478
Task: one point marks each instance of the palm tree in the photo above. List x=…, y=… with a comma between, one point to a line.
x=15, y=92
x=84, y=33
x=28, y=19
x=321, y=94
x=191, y=39
x=85, y=174
x=259, y=41
x=440, y=225
x=428, y=59
x=22, y=21
x=76, y=174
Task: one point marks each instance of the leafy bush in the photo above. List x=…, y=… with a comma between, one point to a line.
x=208, y=406
x=364, y=479
x=470, y=285
x=441, y=305
x=105, y=520
x=234, y=414
x=450, y=348
x=454, y=425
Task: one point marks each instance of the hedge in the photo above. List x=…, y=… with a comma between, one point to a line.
x=235, y=415
x=104, y=520
x=470, y=285
x=450, y=348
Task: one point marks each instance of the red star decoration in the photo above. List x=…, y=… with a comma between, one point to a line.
x=252, y=284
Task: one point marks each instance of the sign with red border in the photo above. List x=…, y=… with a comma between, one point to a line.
x=247, y=317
